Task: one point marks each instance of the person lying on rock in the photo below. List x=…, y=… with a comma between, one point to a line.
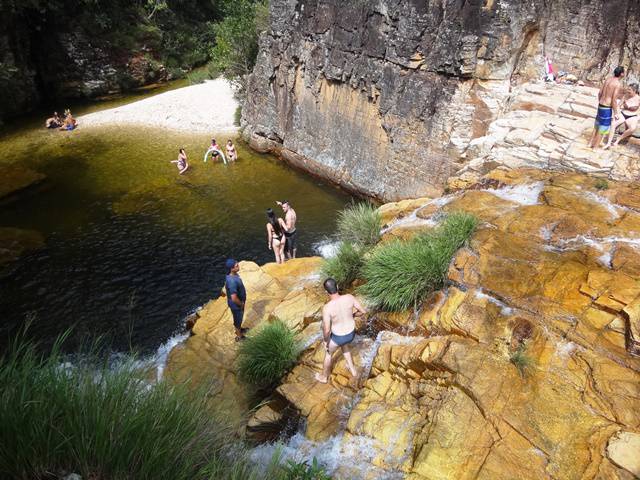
x=236, y=297
x=607, y=106
x=338, y=327
x=53, y=122
x=629, y=116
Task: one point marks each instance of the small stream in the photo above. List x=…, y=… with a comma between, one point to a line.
x=132, y=247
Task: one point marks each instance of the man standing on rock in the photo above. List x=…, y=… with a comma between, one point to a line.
x=290, y=233
x=236, y=296
x=607, y=106
x=338, y=327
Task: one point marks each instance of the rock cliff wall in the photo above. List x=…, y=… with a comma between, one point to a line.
x=384, y=96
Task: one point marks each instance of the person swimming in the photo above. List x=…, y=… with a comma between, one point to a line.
x=214, y=150
x=182, y=162
x=231, y=151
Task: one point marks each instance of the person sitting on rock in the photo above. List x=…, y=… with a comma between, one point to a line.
x=338, y=328
x=69, y=123
x=629, y=116
x=53, y=122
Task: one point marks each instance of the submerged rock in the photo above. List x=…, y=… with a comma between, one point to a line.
x=16, y=178
x=14, y=242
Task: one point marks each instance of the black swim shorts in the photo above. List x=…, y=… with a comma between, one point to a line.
x=237, y=317
x=291, y=242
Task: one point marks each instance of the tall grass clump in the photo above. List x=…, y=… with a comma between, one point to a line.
x=399, y=274
x=108, y=423
x=266, y=356
x=521, y=360
x=346, y=265
x=360, y=224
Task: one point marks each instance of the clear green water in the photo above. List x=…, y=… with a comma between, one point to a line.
x=131, y=246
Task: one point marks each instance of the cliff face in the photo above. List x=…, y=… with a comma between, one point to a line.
x=384, y=97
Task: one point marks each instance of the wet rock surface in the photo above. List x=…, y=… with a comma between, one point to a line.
x=384, y=98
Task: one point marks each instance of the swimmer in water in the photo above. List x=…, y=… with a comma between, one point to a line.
x=182, y=162
x=231, y=151
x=215, y=151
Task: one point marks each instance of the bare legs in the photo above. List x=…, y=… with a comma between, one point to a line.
x=632, y=124
x=596, y=138
x=614, y=126
x=328, y=358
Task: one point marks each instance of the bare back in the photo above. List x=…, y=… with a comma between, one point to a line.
x=290, y=220
x=340, y=313
x=609, y=91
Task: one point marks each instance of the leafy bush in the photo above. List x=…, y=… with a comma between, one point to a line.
x=267, y=355
x=399, y=274
x=346, y=265
x=302, y=471
x=521, y=360
x=198, y=76
x=360, y=224
x=106, y=423
x=237, y=116
x=601, y=184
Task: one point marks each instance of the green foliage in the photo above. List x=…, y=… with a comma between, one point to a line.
x=521, y=360
x=302, y=471
x=346, y=265
x=107, y=423
x=267, y=355
x=399, y=274
x=237, y=116
x=236, y=48
x=601, y=184
x=360, y=224
x=198, y=76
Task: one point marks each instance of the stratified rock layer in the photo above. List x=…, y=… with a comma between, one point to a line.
x=384, y=97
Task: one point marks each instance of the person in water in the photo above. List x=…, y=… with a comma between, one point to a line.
x=182, y=161
x=236, y=297
x=290, y=232
x=53, y=122
x=275, y=235
x=214, y=150
x=231, y=151
x=629, y=118
x=69, y=122
x=607, y=106
x=338, y=328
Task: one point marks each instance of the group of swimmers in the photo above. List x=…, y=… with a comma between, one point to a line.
x=617, y=106
x=66, y=123
x=214, y=150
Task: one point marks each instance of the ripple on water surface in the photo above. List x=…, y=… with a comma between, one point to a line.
x=132, y=247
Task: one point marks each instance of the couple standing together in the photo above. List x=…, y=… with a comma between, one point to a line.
x=282, y=236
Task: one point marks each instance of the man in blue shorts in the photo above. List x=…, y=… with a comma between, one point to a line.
x=236, y=296
x=608, y=107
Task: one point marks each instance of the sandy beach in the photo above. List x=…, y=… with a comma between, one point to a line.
x=206, y=107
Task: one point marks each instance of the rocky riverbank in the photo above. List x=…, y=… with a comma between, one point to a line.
x=525, y=366
x=208, y=107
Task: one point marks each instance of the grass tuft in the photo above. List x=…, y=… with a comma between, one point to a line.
x=601, y=184
x=360, y=224
x=105, y=422
x=521, y=360
x=266, y=356
x=346, y=265
x=400, y=274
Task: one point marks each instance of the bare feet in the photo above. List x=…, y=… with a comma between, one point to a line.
x=608, y=145
x=320, y=378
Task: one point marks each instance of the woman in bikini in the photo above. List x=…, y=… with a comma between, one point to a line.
x=628, y=116
x=231, y=151
x=182, y=163
x=275, y=235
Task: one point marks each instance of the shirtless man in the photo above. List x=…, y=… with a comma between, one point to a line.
x=338, y=328
x=607, y=102
x=290, y=233
x=630, y=111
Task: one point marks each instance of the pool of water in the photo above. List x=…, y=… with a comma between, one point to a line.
x=131, y=246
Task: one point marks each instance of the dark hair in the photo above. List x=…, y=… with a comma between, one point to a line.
x=274, y=222
x=181, y=150
x=635, y=87
x=330, y=286
x=213, y=140
x=618, y=71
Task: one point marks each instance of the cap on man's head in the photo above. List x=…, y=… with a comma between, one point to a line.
x=229, y=264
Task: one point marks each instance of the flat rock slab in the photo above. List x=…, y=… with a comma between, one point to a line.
x=624, y=450
x=16, y=178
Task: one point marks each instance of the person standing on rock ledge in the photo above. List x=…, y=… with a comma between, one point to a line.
x=607, y=105
x=338, y=328
x=236, y=296
x=290, y=233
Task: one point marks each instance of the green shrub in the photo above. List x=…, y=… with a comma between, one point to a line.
x=601, y=184
x=399, y=274
x=521, y=360
x=107, y=423
x=267, y=355
x=198, y=76
x=237, y=116
x=302, y=471
x=360, y=224
x=345, y=266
